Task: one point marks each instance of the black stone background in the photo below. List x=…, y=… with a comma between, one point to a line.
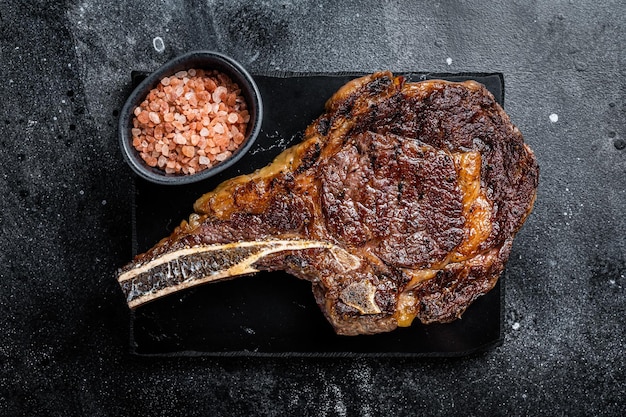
x=65, y=223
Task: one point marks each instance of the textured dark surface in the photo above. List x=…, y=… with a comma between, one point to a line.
x=65, y=221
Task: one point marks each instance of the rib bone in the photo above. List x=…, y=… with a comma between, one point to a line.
x=188, y=267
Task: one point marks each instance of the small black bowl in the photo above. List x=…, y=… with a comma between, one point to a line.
x=206, y=60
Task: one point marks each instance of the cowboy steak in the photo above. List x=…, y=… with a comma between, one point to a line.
x=401, y=202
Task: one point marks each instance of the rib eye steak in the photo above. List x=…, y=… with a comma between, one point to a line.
x=402, y=201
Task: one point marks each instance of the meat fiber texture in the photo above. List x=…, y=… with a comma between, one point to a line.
x=401, y=202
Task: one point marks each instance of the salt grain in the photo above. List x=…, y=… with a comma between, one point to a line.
x=154, y=118
x=233, y=117
x=222, y=156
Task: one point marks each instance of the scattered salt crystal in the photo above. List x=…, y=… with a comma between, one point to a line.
x=157, y=44
x=516, y=326
x=554, y=117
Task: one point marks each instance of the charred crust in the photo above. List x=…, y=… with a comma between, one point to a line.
x=323, y=125
x=310, y=158
x=345, y=108
x=286, y=212
x=379, y=85
x=445, y=297
x=275, y=183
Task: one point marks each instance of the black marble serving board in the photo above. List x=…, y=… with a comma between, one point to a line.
x=274, y=314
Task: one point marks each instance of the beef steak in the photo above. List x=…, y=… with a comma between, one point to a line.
x=402, y=201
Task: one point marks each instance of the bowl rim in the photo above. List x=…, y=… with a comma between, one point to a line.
x=130, y=154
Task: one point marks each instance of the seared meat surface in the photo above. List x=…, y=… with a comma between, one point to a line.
x=402, y=201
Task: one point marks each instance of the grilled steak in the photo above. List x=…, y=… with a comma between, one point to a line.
x=401, y=201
